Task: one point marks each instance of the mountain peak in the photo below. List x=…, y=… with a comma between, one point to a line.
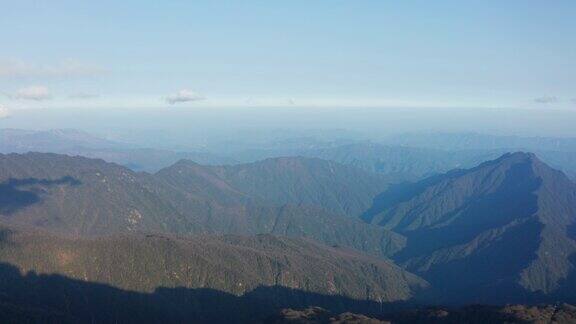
x=512, y=158
x=521, y=155
x=455, y=221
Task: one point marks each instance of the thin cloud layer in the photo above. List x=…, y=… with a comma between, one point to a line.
x=183, y=95
x=546, y=100
x=36, y=93
x=63, y=69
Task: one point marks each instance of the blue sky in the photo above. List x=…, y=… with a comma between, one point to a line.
x=134, y=54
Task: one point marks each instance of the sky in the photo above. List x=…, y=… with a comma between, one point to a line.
x=175, y=55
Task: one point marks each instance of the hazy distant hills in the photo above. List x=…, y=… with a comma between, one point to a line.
x=409, y=163
x=402, y=163
x=22, y=141
x=403, y=158
x=476, y=141
x=499, y=232
x=558, y=152
x=73, y=142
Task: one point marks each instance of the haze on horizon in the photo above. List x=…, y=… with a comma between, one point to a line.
x=370, y=67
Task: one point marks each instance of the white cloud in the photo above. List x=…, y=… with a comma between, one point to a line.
x=36, y=93
x=4, y=112
x=546, y=100
x=183, y=95
x=64, y=69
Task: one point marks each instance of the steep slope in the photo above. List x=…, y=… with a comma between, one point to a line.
x=231, y=264
x=288, y=180
x=500, y=232
x=80, y=196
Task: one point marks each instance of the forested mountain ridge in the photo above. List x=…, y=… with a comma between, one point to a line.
x=507, y=223
x=80, y=196
x=287, y=180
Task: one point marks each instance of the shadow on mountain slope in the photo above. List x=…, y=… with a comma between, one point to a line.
x=513, y=200
x=54, y=298
x=403, y=192
x=16, y=194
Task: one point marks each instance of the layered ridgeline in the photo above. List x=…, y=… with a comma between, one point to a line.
x=80, y=196
x=406, y=158
x=401, y=163
x=75, y=142
x=501, y=232
x=412, y=163
x=201, y=279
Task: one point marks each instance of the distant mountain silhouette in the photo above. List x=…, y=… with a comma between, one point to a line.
x=479, y=141
x=558, y=152
x=400, y=163
x=408, y=157
x=77, y=143
x=56, y=140
x=495, y=233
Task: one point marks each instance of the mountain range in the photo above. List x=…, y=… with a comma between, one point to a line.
x=409, y=157
x=501, y=232
x=80, y=196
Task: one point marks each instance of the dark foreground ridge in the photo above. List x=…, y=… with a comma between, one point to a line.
x=59, y=299
x=475, y=314
x=33, y=298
